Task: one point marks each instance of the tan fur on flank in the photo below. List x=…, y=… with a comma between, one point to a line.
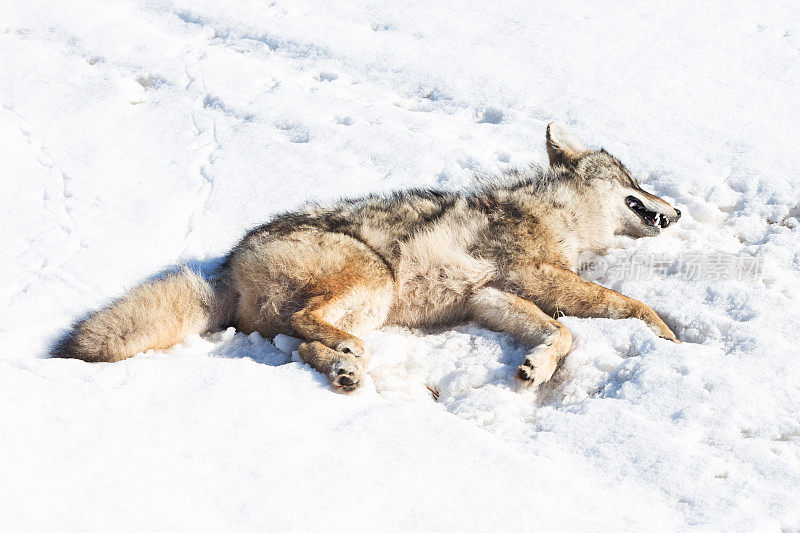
x=504, y=255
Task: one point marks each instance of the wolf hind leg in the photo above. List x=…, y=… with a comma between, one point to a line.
x=330, y=324
x=316, y=323
x=549, y=339
x=327, y=288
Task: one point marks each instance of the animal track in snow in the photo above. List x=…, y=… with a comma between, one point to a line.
x=388, y=26
x=326, y=76
x=295, y=132
x=151, y=81
x=213, y=102
x=207, y=185
x=488, y=115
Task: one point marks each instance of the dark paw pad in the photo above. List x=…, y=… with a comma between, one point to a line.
x=525, y=371
x=347, y=381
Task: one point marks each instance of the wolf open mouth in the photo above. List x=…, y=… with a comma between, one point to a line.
x=651, y=218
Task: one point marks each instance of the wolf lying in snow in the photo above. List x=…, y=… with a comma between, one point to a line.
x=504, y=256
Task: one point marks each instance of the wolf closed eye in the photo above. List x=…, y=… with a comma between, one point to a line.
x=504, y=255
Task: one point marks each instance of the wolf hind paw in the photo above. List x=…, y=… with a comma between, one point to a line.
x=345, y=375
x=354, y=347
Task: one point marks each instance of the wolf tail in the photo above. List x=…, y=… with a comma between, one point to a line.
x=156, y=314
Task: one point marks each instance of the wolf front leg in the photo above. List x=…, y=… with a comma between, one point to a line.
x=550, y=340
x=557, y=290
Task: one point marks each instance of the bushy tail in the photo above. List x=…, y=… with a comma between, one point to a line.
x=156, y=314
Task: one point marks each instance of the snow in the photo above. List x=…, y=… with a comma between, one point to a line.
x=135, y=136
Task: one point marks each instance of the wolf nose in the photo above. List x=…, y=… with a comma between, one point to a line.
x=678, y=212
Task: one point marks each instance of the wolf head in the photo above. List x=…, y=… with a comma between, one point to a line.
x=604, y=189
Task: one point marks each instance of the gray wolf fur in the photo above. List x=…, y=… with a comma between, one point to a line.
x=503, y=255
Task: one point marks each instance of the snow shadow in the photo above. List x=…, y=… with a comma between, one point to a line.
x=232, y=344
x=205, y=267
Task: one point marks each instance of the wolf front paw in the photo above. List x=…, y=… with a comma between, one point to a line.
x=669, y=336
x=658, y=326
x=663, y=331
x=533, y=374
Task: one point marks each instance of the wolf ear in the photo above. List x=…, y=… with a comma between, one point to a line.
x=562, y=147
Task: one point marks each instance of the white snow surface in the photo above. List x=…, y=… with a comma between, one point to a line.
x=140, y=135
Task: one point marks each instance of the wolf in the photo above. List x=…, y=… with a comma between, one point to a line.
x=503, y=254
